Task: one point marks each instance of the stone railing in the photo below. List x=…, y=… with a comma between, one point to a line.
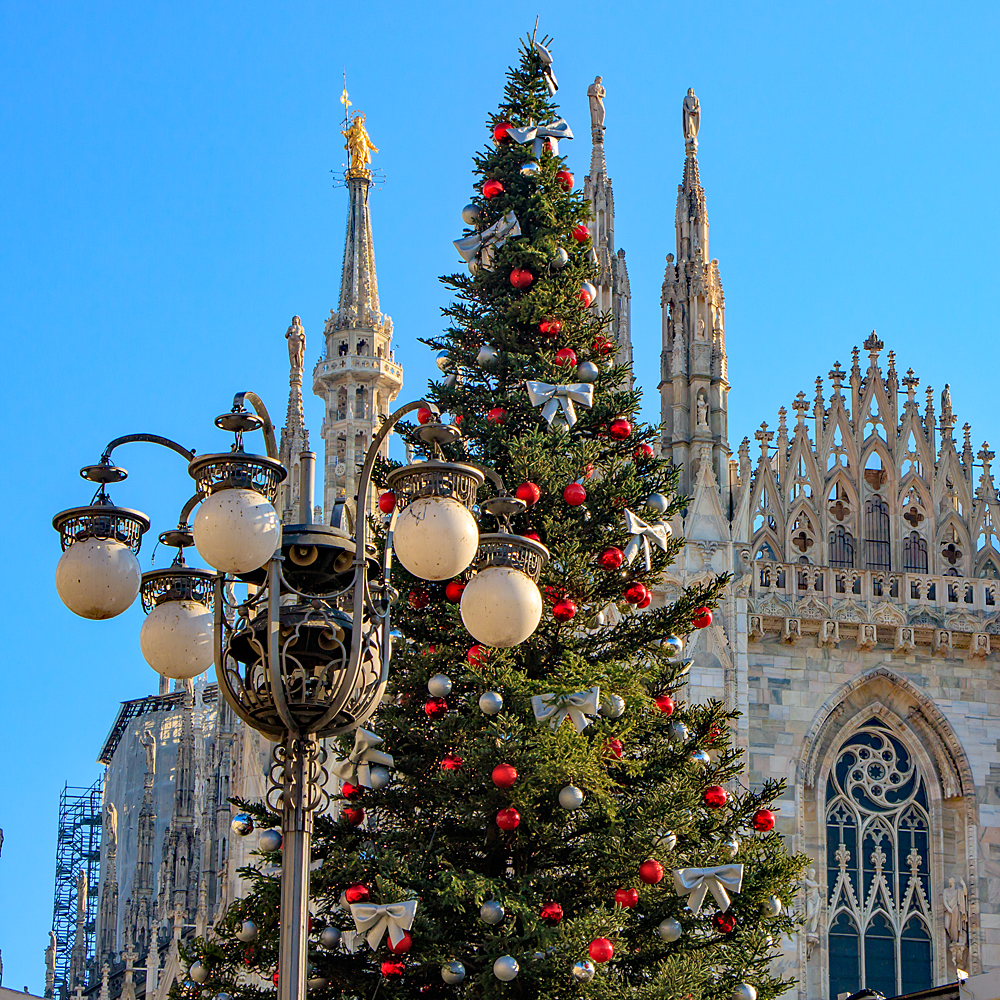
x=361, y=365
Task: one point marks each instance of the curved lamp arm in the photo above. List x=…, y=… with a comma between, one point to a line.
x=261, y=410
x=150, y=439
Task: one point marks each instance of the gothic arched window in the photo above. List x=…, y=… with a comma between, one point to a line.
x=841, y=548
x=877, y=534
x=914, y=553
x=878, y=867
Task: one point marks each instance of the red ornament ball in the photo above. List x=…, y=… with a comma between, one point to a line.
x=500, y=132
x=533, y=535
x=602, y=345
x=274, y=977
x=585, y=296
x=504, y=775
x=393, y=967
x=574, y=494
x=601, y=950
x=580, y=232
x=453, y=590
x=651, y=871
x=616, y=747
x=565, y=179
x=419, y=599
x=635, y=593
x=350, y=791
x=491, y=189
x=498, y=415
x=665, y=704
x=508, y=819
x=715, y=796
x=404, y=944
x=643, y=451
x=725, y=922
x=563, y=610
x=476, y=656
x=551, y=913
x=763, y=820
x=357, y=893
x=529, y=492
x=566, y=357
x=611, y=558
x=423, y=415
x=620, y=429
x=521, y=278
x=387, y=502
x=354, y=815
x=550, y=327
x=645, y=602
x=452, y=763
x=702, y=618
x=435, y=707
x=627, y=898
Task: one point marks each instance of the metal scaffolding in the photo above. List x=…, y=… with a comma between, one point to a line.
x=78, y=849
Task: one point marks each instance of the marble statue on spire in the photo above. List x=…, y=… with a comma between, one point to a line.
x=596, y=94
x=296, y=337
x=691, y=115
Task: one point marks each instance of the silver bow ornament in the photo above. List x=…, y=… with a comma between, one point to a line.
x=696, y=882
x=553, y=398
x=576, y=707
x=374, y=920
x=484, y=244
x=546, y=57
x=357, y=767
x=642, y=534
x=537, y=135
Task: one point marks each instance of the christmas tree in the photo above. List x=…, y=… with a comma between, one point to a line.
x=557, y=821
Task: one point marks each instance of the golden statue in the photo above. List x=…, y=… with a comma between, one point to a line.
x=359, y=145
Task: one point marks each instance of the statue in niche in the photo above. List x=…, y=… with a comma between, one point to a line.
x=700, y=333
x=702, y=415
x=812, y=900
x=691, y=115
x=595, y=92
x=956, y=917
x=296, y=337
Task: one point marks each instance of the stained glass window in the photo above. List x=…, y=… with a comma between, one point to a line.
x=878, y=870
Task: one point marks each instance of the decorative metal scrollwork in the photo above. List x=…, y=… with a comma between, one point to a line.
x=177, y=583
x=503, y=549
x=237, y=470
x=104, y=522
x=435, y=479
x=297, y=777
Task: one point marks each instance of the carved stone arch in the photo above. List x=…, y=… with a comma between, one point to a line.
x=884, y=696
x=801, y=449
x=987, y=555
x=768, y=537
x=949, y=468
x=875, y=390
x=875, y=445
x=804, y=508
x=838, y=418
x=942, y=538
x=767, y=483
x=913, y=480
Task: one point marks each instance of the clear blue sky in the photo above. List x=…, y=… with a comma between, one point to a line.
x=166, y=206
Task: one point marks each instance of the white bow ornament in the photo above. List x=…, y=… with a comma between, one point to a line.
x=537, y=135
x=642, y=533
x=489, y=240
x=356, y=768
x=374, y=920
x=553, y=398
x=546, y=57
x=576, y=707
x=695, y=883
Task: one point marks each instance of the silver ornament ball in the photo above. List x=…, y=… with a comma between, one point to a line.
x=657, y=502
x=679, y=733
x=612, y=706
x=505, y=968
x=670, y=930
x=731, y=846
x=700, y=757
x=667, y=839
x=444, y=361
x=673, y=645
x=491, y=912
x=223, y=996
x=470, y=215
x=452, y=972
x=559, y=260
x=247, y=932
x=198, y=973
x=491, y=702
x=439, y=685
x=583, y=971
x=379, y=777
x=487, y=357
x=587, y=371
x=530, y=169
x=330, y=937
x=315, y=981
x=270, y=840
x=450, y=380
x=242, y=824
x=771, y=907
x=571, y=797
x=744, y=991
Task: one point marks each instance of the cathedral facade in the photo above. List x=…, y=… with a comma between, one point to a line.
x=858, y=637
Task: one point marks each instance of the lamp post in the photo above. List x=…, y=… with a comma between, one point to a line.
x=305, y=654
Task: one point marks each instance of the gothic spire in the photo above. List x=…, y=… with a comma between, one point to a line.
x=294, y=435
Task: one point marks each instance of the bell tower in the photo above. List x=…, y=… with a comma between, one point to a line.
x=694, y=386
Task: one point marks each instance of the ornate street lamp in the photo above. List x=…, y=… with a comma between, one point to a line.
x=306, y=653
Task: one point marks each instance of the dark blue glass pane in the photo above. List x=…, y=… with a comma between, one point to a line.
x=845, y=962
x=880, y=957
x=915, y=956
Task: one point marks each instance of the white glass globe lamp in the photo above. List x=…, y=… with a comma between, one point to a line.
x=236, y=530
